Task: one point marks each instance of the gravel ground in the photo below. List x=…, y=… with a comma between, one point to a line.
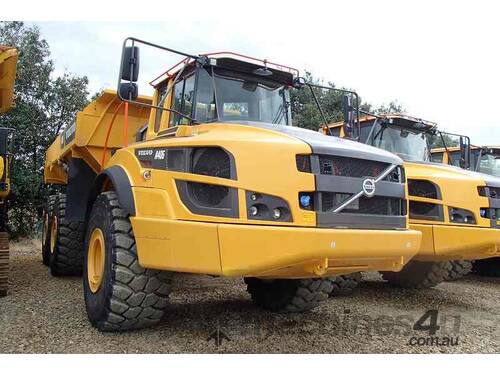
x=43, y=314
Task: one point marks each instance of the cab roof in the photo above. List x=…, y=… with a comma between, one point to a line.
x=398, y=119
x=457, y=148
x=236, y=62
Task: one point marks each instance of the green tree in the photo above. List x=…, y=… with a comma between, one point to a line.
x=435, y=141
x=44, y=104
x=305, y=112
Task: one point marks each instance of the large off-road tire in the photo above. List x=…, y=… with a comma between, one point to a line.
x=4, y=263
x=119, y=293
x=345, y=284
x=417, y=275
x=456, y=269
x=66, y=242
x=288, y=295
x=48, y=214
x=487, y=267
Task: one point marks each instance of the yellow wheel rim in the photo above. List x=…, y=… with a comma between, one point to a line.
x=95, y=260
x=53, y=234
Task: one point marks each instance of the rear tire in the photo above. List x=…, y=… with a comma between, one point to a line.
x=288, y=295
x=417, y=275
x=124, y=295
x=345, y=284
x=48, y=213
x=66, y=256
x=456, y=269
x=487, y=267
x=4, y=263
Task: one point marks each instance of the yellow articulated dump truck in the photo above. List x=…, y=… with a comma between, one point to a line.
x=209, y=177
x=483, y=159
x=446, y=204
x=8, y=64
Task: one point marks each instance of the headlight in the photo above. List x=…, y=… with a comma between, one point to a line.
x=459, y=215
x=267, y=207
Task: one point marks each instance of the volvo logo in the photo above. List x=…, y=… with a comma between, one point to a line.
x=369, y=187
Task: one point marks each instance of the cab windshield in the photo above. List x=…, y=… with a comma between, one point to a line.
x=227, y=96
x=408, y=145
x=489, y=164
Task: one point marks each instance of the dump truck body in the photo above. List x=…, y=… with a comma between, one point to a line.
x=446, y=204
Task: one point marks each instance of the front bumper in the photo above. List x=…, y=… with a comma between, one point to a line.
x=269, y=251
x=451, y=242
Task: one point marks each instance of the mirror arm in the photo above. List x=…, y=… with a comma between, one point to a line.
x=450, y=157
x=310, y=85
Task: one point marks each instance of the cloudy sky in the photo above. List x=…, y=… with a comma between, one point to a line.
x=441, y=60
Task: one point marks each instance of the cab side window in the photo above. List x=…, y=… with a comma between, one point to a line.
x=162, y=95
x=183, y=97
x=437, y=157
x=365, y=132
x=205, y=100
x=335, y=131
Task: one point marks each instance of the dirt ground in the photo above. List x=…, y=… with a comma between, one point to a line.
x=43, y=314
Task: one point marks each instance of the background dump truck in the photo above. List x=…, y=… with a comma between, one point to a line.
x=8, y=63
x=208, y=177
x=483, y=159
x=446, y=203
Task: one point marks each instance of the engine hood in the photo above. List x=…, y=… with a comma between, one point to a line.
x=490, y=180
x=324, y=144
x=450, y=171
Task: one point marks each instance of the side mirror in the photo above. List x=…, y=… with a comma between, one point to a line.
x=128, y=90
x=129, y=70
x=348, y=112
x=464, y=152
x=299, y=82
x=129, y=73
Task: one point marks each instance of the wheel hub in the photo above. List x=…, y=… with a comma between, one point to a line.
x=95, y=260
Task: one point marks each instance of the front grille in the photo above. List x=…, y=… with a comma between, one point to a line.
x=350, y=167
x=490, y=213
x=369, y=206
x=422, y=188
x=486, y=191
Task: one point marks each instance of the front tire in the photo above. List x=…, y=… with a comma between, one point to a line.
x=119, y=293
x=417, y=275
x=288, y=295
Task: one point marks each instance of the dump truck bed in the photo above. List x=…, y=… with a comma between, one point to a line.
x=85, y=139
x=8, y=61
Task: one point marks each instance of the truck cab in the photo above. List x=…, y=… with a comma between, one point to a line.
x=210, y=177
x=447, y=204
